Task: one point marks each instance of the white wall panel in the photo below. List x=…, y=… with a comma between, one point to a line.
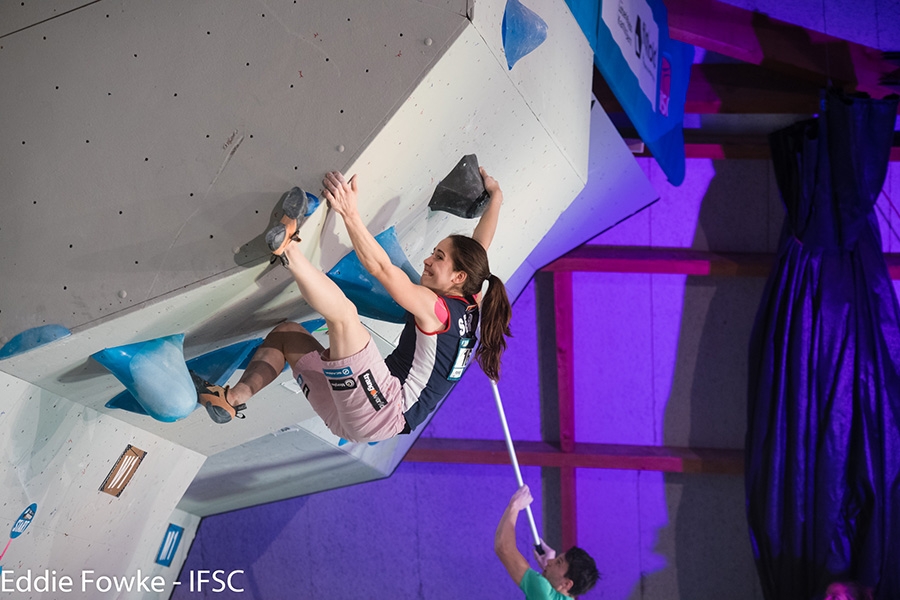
x=58, y=455
x=555, y=78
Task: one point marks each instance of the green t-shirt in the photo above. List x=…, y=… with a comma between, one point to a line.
x=536, y=587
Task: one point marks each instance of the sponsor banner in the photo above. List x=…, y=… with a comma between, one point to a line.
x=646, y=70
x=631, y=24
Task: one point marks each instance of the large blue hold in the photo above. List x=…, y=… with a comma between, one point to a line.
x=369, y=296
x=216, y=367
x=522, y=30
x=154, y=372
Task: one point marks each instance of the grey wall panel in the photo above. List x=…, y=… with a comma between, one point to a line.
x=16, y=15
x=142, y=146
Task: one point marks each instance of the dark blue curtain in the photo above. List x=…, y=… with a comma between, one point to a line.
x=823, y=446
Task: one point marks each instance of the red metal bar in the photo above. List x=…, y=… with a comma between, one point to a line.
x=568, y=508
x=622, y=259
x=668, y=459
x=732, y=89
x=733, y=149
x=801, y=53
x=565, y=363
x=562, y=293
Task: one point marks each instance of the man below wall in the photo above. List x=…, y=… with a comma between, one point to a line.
x=565, y=576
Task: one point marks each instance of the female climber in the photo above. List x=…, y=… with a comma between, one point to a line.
x=358, y=394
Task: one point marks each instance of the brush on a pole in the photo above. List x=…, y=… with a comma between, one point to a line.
x=515, y=463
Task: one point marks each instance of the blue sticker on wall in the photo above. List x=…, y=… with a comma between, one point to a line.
x=169, y=545
x=19, y=527
x=23, y=521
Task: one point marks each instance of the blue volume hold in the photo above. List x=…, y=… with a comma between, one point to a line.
x=33, y=338
x=312, y=203
x=369, y=296
x=522, y=31
x=216, y=367
x=155, y=374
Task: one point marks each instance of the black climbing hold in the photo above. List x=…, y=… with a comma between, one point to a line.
x=462, y=192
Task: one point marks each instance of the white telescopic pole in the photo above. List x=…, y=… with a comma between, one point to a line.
x=515, y=463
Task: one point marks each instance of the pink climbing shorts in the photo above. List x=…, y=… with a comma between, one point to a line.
x=357, y=396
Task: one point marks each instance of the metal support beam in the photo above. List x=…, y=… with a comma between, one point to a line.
x=677, y=261
x=732, y=89
x=806, y=55
x=553, y=292
x=666, y=459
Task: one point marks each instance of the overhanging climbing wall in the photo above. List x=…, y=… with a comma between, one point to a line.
x=144, y=148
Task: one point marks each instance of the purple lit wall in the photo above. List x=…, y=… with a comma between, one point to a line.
x=659, y=360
